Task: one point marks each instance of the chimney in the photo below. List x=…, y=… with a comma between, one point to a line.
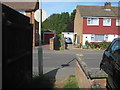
x=107, y=6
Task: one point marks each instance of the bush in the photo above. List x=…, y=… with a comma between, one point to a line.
x=104, y=44
x=87, y=44
x=101, y=45
x=94, y=45
x=61, y=42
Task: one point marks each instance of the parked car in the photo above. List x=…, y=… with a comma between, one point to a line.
x=111, y=64
x=68, y=40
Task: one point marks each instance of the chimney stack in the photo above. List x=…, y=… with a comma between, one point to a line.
x=107, y=5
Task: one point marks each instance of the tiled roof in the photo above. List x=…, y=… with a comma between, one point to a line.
x=97, y=11
x=21, y=5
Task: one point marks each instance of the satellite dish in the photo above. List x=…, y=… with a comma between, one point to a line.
x=37, y=15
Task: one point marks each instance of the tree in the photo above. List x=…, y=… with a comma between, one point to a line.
x=73, y=15
x=59, y=22
x=70, y=26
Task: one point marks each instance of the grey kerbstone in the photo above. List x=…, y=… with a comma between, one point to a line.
x=91, y=72
x=97, y=73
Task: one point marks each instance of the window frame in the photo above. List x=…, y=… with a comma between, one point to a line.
x=104, y=23
x=117, y=21
x=104, y=36
x=99, y=35
x=91, y=20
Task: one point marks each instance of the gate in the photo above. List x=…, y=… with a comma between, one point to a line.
x=16, y=48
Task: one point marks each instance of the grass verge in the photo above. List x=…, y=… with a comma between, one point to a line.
x=71, y=83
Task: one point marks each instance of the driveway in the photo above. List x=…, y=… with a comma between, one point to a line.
x=61, y=64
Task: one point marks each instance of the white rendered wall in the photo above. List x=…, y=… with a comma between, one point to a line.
x=68, y=34
x=111, y=37
x=86, y=37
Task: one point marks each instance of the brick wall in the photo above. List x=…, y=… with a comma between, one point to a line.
x=78, y=25
x=83, y=82
x=35, y=25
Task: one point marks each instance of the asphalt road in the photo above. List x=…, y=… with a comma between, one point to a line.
x=61, y=64
x=58, y=64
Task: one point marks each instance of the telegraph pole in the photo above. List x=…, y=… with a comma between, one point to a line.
x=40, y=51
x=39, y=18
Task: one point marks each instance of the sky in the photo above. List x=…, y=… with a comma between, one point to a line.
x=59, y=7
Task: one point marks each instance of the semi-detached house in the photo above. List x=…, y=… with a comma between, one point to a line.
x=96, y=23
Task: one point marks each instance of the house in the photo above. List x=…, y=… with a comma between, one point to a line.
x=28, y=9
x=96, y=23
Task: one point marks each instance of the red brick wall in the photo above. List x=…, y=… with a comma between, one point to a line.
x=113, y=29
x=35, y=24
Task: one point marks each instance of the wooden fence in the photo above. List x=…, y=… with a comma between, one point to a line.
x=16, y=48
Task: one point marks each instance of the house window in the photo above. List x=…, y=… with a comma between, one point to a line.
x=106, y=22
x=99, y=38
x=118, y=22
x=92, y=21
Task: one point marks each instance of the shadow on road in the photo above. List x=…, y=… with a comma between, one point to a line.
x=52, y=74
x=68, y=64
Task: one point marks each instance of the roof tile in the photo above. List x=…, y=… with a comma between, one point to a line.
x=21, y=5
x=97, y=11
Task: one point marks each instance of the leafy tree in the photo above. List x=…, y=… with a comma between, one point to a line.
x=73, y=15
x=70, y=26
x=59, y=22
